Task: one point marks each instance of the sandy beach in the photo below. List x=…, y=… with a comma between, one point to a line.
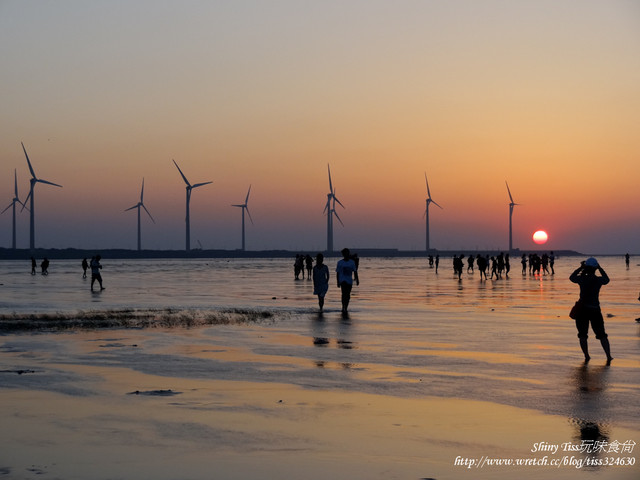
x=397, y=390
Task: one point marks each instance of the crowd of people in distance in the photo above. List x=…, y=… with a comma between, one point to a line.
x=499, y=265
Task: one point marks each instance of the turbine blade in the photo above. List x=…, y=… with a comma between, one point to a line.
x=237, y=205
x=335, y=199
x=427, y=181
x=508, y=190
x=145, y=209
x=10, y=205
x=336, y=214
x=330, y=184
x=249, y=213
x=200, y=184
x=327, y=206
x=24, y=205
x=33, y=174
x=436, y=204
x=142, y=190
x=48, y=183
x=246, y=200
x=131, y=208
x=15, y=175
x=183, y=177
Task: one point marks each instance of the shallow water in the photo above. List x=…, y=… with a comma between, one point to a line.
x=410, y=333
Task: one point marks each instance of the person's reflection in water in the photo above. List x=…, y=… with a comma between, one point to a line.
x=323, y=339
x=590, y=412
x=319, y=333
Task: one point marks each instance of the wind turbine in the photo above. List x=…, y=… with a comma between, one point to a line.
x=330, y=209
x=511, y=205
x=33, y=181
x=244, y=207
x=189, y=188
x=138, y=205
x=13, y=204
x=426, y=212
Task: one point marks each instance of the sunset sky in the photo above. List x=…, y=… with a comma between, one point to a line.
x=542, y=94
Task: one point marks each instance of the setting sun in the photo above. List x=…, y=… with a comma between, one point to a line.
x=540, y=237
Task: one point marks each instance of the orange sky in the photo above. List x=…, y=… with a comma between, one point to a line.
x=541, y=94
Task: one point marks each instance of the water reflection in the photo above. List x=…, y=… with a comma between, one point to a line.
x=322, y=334
x=328, y=334
x=590, y=410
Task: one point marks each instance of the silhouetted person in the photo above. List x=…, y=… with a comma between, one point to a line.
x=500, y=264
x=347, y=272
x=470, y=263
x=44, y=266
x=356, y=260
x=308, y=261
x=507, y=265
x=589, y=311
x=482, y=266
x=626, y=260
x=33, y=266
x=523, y=261
x=552, y=261
x=298, y=266
x=437, y=262
x=85, y=265
x=545, y=264
x=458, y=265
x=95, y=271
x=320, y=280
x=430, y=261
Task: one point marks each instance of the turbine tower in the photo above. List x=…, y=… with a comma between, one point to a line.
x=511, y=205
x=189, y=188
x=244, y=207
x=33, y=181
x=13, y=204
x=330, y=209
x=426, y=212
x=138, y=205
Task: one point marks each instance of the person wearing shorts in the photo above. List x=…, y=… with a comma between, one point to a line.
x=589, y=312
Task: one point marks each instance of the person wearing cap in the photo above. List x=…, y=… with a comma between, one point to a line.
x=589, y=312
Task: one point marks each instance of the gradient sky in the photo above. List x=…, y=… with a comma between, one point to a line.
x=542, y=94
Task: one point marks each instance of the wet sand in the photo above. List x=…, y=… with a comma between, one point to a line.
x=74, y=415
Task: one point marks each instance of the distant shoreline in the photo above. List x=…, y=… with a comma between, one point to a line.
x=73, y=253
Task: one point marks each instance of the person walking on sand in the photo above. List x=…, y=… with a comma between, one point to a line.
x=589, y=305
x=33, y=266
x=320, y=280
x=85, y=265
x=347, y=272
x=95, y=271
